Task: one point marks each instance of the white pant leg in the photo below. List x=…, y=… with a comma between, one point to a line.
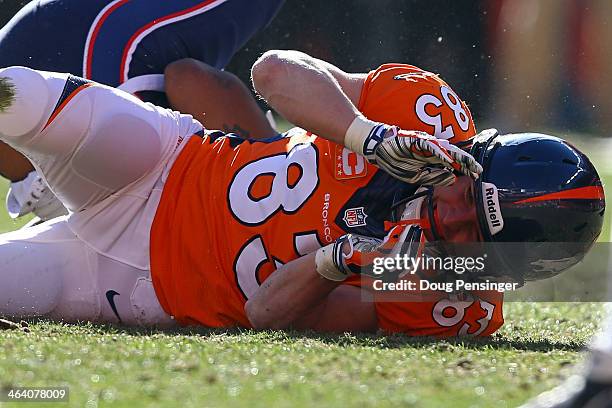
x=47, y=271
x=88, y=141
x=100, y=150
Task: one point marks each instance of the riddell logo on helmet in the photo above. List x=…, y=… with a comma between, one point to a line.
x=492, y=209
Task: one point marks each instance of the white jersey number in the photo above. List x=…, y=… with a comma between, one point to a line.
x=254, y=255
x=282, y=196
x=458, y=308
x=453, y=102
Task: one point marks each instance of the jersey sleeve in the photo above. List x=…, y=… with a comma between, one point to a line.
x=474, y=314
x=414, y=99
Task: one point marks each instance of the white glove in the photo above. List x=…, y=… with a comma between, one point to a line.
x=335, y=265
x=411, y=156
x=33, y=195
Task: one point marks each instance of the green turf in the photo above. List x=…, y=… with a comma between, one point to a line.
x=106, y=366
x=120, y=368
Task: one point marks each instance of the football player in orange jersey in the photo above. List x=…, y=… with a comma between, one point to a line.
x=414, y=99
x=382, y=95
x=235, y=222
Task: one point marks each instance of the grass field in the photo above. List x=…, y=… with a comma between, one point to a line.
x=107, y=366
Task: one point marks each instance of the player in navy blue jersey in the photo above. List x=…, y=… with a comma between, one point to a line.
x=113, y=41
x=126, y=44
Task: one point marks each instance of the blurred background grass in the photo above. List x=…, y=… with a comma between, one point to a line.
x=6, y=223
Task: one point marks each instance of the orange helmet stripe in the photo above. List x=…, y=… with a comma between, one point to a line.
x=581, y=193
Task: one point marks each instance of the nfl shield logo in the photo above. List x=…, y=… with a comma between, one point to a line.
x=355, y=217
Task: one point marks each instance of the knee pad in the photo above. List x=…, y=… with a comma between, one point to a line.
x=118, y=151
x=28, y=99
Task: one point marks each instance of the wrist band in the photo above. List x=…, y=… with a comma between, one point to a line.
x=358, y=132
x=326, y=264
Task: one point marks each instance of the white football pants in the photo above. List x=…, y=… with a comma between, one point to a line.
x=47, y=271
x=105, y=154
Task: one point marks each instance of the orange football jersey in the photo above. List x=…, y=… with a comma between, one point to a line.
x=233, y=210
x=474, y=314
x=413, y=99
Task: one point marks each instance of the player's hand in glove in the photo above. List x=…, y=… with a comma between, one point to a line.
x=355, y=254
x=411, y=156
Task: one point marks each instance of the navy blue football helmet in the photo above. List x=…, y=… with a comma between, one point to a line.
x=551, y=201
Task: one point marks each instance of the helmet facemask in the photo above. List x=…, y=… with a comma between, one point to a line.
x=418, y=213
